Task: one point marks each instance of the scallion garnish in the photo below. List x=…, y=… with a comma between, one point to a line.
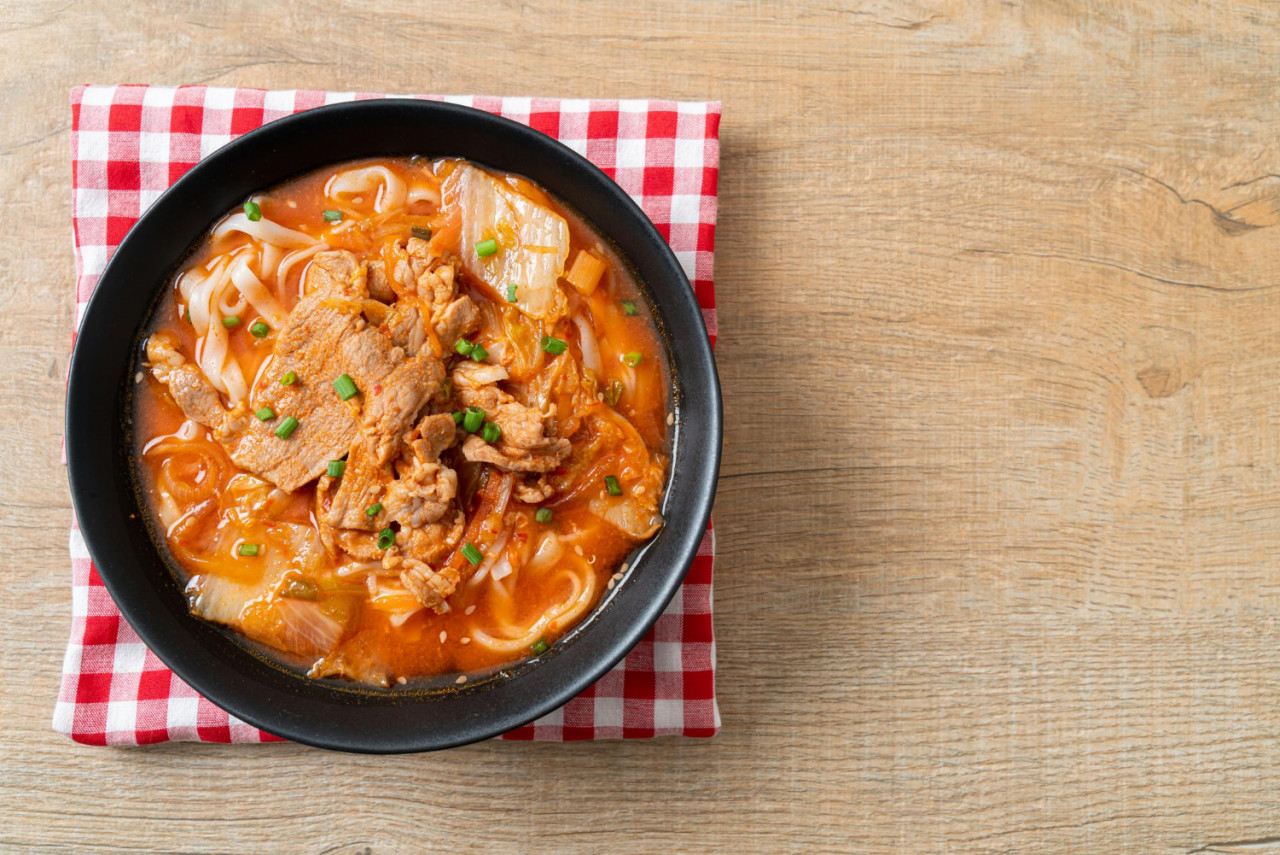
x=543, y=515
x=260, y=329
x=614, y=393
x=287, y=426
x=252, y=211
x=539, y=647
x=478, y=353
x=373, y=510
x=420, y=233
x=473, y=419
x=386, y=538
x=472, y=554
x=231, y=321
x=611, y=484
x=511, y=293
x=553, y=346
x=336, y=468
x=463, y=347
x=491, y=433
x=629, y=308
x=331, y=216
x=248, y=550
x=345, y=387
x=288, y=378
x=265, y=414
x=486, y=248
x=457, y=416
x=633, y=358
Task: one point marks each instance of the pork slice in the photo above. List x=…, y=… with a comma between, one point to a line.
x=407, y=328
x=362, y=485
x=528, y=442
x=453, y=321
x=393, y=404
x=510, y=458
x=188, y=386
x=378, y=284
x=335, y=273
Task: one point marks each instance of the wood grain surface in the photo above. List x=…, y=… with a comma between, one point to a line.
x=999, y=518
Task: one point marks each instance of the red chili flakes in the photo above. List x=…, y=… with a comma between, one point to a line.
x=377, y=388
x=521, y=537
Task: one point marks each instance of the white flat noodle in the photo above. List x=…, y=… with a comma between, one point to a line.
x=264, y=230
x=489, y=209
x=270, y=261
x=423, y=193
x=251, y=287
x=351, y=182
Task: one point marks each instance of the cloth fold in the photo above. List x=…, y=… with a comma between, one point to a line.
x=129, y=143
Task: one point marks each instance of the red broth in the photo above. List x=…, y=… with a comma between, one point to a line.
x=303, y=596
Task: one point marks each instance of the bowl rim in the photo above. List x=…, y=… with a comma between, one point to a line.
x=112, y=549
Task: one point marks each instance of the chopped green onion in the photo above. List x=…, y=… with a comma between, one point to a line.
x=265, y=414
x=288, y=379
x=420, y=233
x=472, y=421
x=260, y=329
x=248, y=550
x=511, y=293
x=457, y=417
x=491, y=433
x=614, y=393
x=543, y=515
x=331, y=215
x=336, y=468
x=629, y=308
x=463, y=346
x=373, y=510
x=553, y=345
x=386, y=538
x=633, y=358
x=286, y=427
x=231, y=321
x=478, y=353
x=345, y=387
x=611, y=484
x=539, y=647
x=252, y=211
x=486, y=248
x=472, y=554
x=299, y=589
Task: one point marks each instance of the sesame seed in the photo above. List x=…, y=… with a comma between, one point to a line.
x=617, y=576
x=469, y=610
x=465, y=640
x=671, y=418
x=137, y=378
x=461, y=679
x=401, y=680
x=578, y=549
x=623, y=569
x=357, y=199
x=610, y=584
x=443, y=636
x=639, y=490
x=292, y=204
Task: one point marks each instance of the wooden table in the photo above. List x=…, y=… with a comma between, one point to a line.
x=999, y=516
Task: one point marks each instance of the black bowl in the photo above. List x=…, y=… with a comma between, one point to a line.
x=326, y=713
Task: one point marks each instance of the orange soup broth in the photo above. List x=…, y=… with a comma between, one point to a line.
x=428, y=644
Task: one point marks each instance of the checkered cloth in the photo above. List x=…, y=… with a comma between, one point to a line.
x=129, y=143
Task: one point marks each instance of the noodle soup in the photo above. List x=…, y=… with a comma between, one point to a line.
x=402, y=418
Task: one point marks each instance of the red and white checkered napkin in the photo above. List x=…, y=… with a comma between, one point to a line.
x=129, y=143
